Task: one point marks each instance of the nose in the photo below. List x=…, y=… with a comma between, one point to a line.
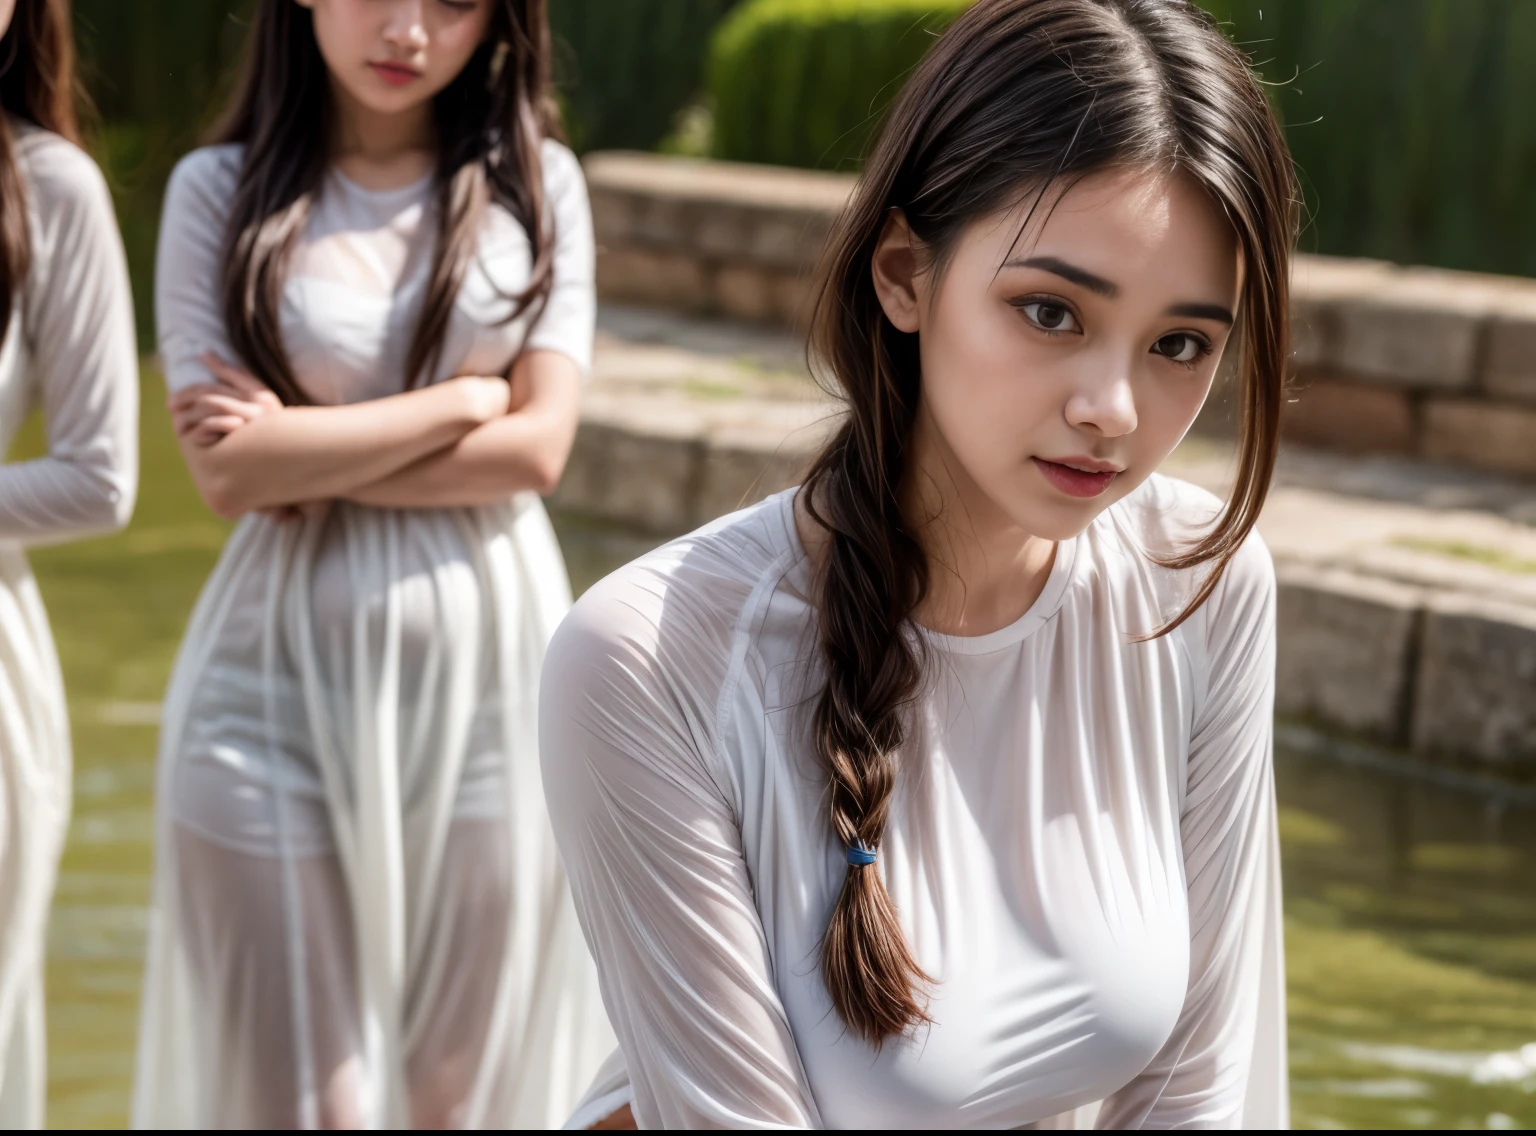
x=1104, y=403
x=406, y=29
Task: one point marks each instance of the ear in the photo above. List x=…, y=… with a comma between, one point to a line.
x=895, y=271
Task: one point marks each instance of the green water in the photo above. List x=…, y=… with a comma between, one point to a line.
x=1411, y=910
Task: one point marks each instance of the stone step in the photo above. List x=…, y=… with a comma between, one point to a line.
x=1407, y=604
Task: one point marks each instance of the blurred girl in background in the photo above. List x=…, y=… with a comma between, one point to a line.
x=375, y=308
x=68, y=347
x=937, y=793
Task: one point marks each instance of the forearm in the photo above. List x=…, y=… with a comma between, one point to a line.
x=50, y=500
x=309, y=453
x=526, y=449
x=492, y=462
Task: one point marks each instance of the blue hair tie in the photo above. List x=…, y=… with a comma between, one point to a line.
x=860, y=856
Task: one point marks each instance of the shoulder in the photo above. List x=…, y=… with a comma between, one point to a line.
x=64, y=179
x=561, y=169
x=204, y=180
x=1165, y=515
x=670, y=620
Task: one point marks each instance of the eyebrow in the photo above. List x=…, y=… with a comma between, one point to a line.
x=1067, y=271
x=1109, y=289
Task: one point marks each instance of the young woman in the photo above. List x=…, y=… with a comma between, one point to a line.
x=937, y=793
x=375, y=308
x=67, y=320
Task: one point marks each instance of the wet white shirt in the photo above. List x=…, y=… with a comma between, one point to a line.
x=1082, y=843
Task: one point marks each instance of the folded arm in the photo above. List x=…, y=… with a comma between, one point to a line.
x=246, y=453
x=524, y=449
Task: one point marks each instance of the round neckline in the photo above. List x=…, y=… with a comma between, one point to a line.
x=1039, y=613
x=408, y=189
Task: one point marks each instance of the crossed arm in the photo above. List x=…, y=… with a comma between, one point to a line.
x=468, y=441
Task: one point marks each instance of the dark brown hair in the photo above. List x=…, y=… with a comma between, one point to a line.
x=37, y=84
x=1018, y=98
x=490, y=121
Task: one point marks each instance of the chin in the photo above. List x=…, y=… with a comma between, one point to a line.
x=1055, y=516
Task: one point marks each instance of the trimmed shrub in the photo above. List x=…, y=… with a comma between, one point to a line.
x=806, y=82
x=157, y=71
x=1413, y=122
x=626, y=67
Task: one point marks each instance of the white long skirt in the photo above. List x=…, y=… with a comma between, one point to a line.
x=359, y=915
x=34, y=813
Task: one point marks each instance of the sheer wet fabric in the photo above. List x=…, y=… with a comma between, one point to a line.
x=1082, y=843
x=359, y=916
x=70, y=351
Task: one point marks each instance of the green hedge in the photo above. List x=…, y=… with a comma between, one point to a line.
x=626, y=67
x=1413, y=121
x=156, y=71
x=804, y=82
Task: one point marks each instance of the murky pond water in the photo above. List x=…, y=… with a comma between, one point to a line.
x=1411, y=904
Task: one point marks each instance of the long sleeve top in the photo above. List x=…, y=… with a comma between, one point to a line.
x=70, y=348
x=1081, y=844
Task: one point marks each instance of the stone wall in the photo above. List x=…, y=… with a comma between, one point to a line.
x=1411, y=361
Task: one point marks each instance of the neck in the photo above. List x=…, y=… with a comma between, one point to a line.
x=382, y=142
x=984, y=571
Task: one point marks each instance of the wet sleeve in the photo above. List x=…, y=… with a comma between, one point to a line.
x=1224, y=1064
x=567, y=321
x=76, y=318
x=654, y=854
x=189, y=314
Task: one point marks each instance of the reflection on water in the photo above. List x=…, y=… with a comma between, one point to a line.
x=1411, y=941
x=1411, y=916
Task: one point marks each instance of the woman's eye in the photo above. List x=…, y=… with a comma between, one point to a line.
x=1048, y=316
x=1181, y=347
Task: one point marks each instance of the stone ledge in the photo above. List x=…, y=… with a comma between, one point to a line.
x=742, y=241
x=1475, y=694
x=1346, y=650
x=1492, y=435
x=1379, y=650
x=667, y=466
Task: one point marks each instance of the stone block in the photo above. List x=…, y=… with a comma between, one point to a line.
x=638, y=470
x=1509, y=362
x=788, y=240
x=650, y=276
x=1488, y=435
x=725, y=210
x=613, y=215
x=755, y=449
x=736, y=476
x=794, y=299
x=1417, y=327
x=745, y=291
x=1475, y=696
x=1344, y=651
x=1318, y=285
x=721, y=230
x=664, y=223
x=1327, y=410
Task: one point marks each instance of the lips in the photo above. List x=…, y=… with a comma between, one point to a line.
x=1076, y=482
x=395, y=74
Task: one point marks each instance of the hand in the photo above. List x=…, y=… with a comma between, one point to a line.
x=302, y=511
x=208, y=412
x=621, y=1119
x=490, y=396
